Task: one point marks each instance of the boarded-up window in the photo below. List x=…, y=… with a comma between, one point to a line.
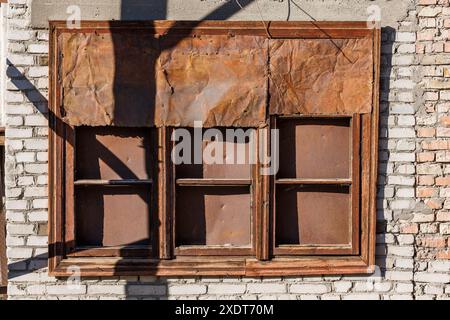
x=314, y=188
x=301, y=199
x=112, y=188
x=214, y=207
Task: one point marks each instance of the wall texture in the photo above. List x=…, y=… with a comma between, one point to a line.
x=413, y=236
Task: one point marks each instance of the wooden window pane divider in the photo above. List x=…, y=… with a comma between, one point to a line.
x=124, y=182
x=315, y=181
x=214, y=182
x=113, y=251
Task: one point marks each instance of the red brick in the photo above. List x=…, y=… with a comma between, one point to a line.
x=409, y=228
x=433, y=203
x=443, y=181
x=444, y=254
x=426, y=192
x=434, y=242
x=425, y=157
x=435, y=145
x=445, y=121
x=426, y=132
x=426, y=180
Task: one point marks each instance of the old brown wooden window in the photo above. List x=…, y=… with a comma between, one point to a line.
x=110, y=191
x=121, y=205
x=215, y=207
x=316, y=189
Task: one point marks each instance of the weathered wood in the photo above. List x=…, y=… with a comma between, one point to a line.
x=118, y=251
x=124, y=182
x=213, y=182
x=314, y=181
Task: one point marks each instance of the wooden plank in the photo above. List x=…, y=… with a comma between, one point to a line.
x=205, y=266
x=213, y=251
x=315, y=181
x=56, y=156
x=69, y=221
x=374, y=151
x=365, y=185
x=213, y=182
x=164, y=194
x=355, y=193
x=262, y=194
x=288, y=250
x=275, y=29
x=118, y=251
x=124, y=182
x=307, y=266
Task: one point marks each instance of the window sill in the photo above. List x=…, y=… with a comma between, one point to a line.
x=202, y=266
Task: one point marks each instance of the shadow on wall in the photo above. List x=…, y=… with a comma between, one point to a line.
x=157, y=288
x=388, y=35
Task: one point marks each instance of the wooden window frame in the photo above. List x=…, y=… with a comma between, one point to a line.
x=71, y=183
x=353, y=182
x=200, y=250
x=164, y=262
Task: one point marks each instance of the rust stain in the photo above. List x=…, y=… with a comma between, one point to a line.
x=219, y=80
x=108, y=78
x=319, y=76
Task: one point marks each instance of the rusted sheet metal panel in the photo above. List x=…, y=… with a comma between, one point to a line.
x=313, y=215
x=315, y=148
x=219, y=80
x=218, y=216
x=235, y=162
x=108, y=78
x=113, y=216
x=130, y=78
x=108, y=153
x=321, y=76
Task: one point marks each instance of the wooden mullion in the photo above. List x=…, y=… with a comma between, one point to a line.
x=260, y=196
x=213, y=251
x=122, y=182
x=273, y=192
x=355, y=189
x=70, y=167
x=365, y=186
x=165, y=184
x=315, y=181
x=213, y=182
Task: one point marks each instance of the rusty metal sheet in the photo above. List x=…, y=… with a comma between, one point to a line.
x=108, y=78
x=130, y=78
x=313, y=215
x=321, y=76
x=109, y=153
x=113, y=216
x=315, y=148
x=219, y=80
x=228, y=166
x=218, y=216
